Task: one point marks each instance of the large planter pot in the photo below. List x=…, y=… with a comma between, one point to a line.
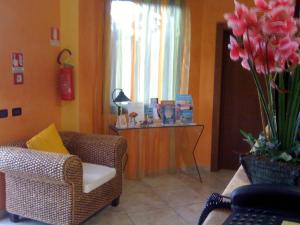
x=262, y=170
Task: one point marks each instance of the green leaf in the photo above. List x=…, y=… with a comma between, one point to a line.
x=285, y=157
x=296, y=149
x=281, y=111
x=293, y=109
x=269, y=113
x=248, y=137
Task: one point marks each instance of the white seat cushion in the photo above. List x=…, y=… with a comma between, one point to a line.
x=96, y=175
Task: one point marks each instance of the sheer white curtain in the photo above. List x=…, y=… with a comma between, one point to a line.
x=150, y=44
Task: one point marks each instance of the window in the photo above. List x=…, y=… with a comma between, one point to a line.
x=149, y=49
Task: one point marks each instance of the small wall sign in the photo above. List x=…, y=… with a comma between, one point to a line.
x=18, y=67
x=17, y=61
x=19, y=78
x=55, y=37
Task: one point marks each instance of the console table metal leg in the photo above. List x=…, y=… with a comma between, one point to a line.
x=194, y=151
x=126, y=160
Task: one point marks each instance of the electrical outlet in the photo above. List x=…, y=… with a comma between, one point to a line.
x=16, y=111
x=3, y=113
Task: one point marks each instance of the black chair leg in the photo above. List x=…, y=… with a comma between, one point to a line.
x=14, y=218
x=115, y=202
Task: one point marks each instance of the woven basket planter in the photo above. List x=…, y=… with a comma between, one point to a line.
x=263, y=171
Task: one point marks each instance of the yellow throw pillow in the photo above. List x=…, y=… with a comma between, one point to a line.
x=47, y=140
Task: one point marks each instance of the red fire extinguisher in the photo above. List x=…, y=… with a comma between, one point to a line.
x=66, y=80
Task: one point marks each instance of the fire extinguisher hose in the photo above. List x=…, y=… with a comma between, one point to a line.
x=59, y=57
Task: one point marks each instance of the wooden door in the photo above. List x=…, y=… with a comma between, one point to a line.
x=239, y=109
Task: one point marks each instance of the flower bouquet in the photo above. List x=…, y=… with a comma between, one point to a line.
x=266, y=41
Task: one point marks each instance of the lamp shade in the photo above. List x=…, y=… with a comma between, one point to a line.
x=121, y=97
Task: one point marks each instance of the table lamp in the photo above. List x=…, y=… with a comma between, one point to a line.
x=121, y=97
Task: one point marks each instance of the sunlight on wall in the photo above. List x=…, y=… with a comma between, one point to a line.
x=69, y=11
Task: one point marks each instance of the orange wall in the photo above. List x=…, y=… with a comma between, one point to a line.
x=212, y=12
x=25, y=27
x=91, y=26
x=195, y=8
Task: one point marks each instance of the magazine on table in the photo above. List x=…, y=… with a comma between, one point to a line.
x=168, y=112
x=138, y=109
x=184, y=108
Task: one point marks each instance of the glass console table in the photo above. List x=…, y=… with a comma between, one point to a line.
x=160, y=148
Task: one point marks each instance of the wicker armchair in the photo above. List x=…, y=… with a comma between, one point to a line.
x=48, y=187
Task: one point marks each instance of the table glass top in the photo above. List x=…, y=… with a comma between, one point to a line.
x=159, y=125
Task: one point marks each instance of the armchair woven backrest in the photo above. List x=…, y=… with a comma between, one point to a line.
x=48, y=187
x=20, y=144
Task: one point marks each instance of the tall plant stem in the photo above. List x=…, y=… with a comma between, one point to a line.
x=268, y=78
x=270, y=116
x=268, y=89
x=281, y=112
x=272, y=94
x=263, y=121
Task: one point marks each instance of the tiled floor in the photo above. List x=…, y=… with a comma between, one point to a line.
x=163, y=200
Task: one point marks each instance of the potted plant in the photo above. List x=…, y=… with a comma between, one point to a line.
x=266, y=40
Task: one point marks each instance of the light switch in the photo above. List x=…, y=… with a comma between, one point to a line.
x=3, y=113
x=16, y=111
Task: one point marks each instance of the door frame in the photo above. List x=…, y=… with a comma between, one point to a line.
x=221, y=27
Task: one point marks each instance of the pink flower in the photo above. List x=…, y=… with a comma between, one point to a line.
x=259, y=52
x=261, y=5
x=245, y=14
x=264, y=58
x=245, y=64
x=268, y=43
x=238, y=26
x=287, y=52
x=287, y=47
x=234, y=48
x=241, y=20
x=250, y=42
x=278, y=19
x=294, y=59
x=286, y=3
x=279, y=28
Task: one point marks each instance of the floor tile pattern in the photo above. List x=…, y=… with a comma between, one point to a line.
x=170, y=199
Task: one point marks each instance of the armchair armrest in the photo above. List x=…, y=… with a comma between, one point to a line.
x=42, y=166
x=94, y=148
